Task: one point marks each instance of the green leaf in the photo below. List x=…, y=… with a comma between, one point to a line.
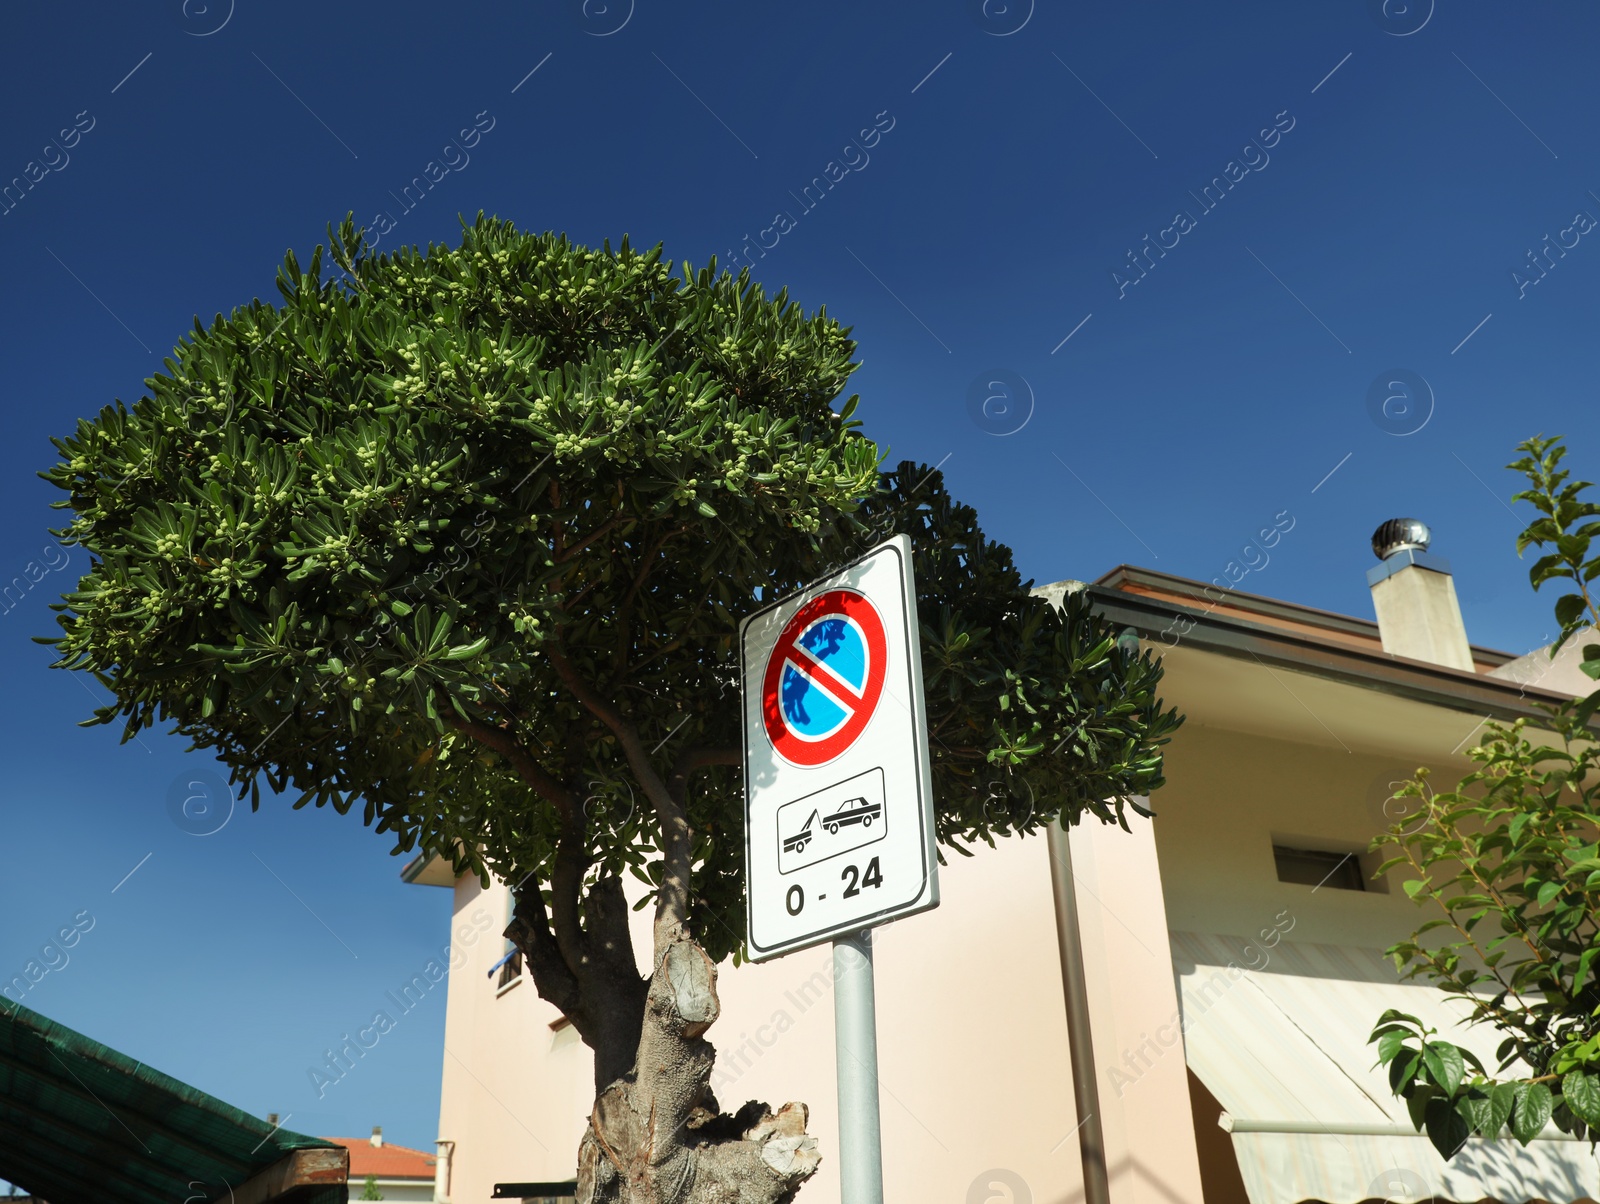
x=1417, y=1105
x=1445, y=1064
x=462, y=651
x=1534, y=1103
x=1476, y=1109
x=1447, y=1130
x=1402, y=1071
x=1390, y=1044
x=1569, y=609
x=1582, y=1095
x=1585, y=709
x=1501, y=1098
x=1394, y=1016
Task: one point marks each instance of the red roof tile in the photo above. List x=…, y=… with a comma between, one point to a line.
x=386, y=1161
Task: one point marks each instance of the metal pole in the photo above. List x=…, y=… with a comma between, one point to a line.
x=1080, y=1041
x=856, y=1051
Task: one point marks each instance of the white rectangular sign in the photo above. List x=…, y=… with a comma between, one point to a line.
x=839, y=831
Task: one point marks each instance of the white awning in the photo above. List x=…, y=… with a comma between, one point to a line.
x=1279, y=1036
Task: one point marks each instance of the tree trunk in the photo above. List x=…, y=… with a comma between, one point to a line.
x=656, y=1134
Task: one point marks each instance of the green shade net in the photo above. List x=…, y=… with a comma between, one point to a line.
x=83, y=1124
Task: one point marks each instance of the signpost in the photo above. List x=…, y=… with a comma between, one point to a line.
x=839, y=829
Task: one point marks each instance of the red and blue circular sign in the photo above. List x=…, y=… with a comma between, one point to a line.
x=824, y=677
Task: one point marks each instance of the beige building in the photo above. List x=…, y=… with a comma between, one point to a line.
x=1231, y=952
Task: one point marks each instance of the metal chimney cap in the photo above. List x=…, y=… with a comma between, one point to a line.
x=1398, y=534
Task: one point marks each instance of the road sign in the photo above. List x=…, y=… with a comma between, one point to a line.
x=838, y=795
x=824, y=678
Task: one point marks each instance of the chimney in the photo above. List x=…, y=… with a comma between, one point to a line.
x=377, y=1137
x=444, y=1152
x=1415, y=598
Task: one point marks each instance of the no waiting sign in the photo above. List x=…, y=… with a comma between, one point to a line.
x=838, y=795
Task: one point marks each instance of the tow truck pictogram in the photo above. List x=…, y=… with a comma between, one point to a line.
x=797, y=842
x=831, y=822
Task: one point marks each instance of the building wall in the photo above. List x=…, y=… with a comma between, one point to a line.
x=516, y=1094
x=976, y=1089
x=1151, y=1156
x=976, y=1086
x=395, y=1189
x=1231, y=794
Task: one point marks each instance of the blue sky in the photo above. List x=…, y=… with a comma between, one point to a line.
x=1384, y=171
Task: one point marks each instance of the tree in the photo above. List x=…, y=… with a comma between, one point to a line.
x=464, y=536
x=1511, y=856
x=370, y=1190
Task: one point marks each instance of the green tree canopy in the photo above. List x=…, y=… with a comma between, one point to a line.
x=463, y=537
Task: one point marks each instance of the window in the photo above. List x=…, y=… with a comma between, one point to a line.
x=510, y=970
x=511, y=964
x=1319, y=867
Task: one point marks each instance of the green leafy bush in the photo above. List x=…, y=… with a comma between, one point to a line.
x=1511, y=857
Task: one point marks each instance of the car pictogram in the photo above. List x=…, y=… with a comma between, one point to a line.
x=855, y=811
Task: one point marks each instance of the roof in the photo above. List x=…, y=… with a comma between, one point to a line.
x=1282, y=635
x=81, y=1123
x=386, y=1161
x=428, y=869
x=1563, y=672
x=1325, y=625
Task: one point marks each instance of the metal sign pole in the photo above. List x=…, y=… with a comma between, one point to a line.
x=856, y=1053
x=839, y=828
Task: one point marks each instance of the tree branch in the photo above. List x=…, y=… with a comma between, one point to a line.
x=599, y=990
x=599, y=532
x=672, y=899
x=610, y=938
x=504, y=742
x=624, y=613
x=530, y=931
x=695, y=759
x=674, y=644
x=566, y=888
